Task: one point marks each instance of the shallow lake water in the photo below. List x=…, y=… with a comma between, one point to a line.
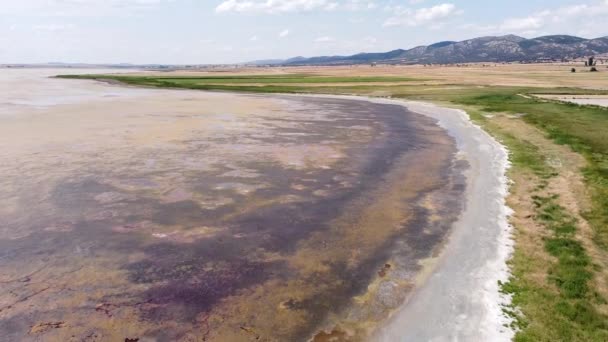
x=170, y=215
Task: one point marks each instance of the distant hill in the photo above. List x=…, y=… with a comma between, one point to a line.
x=508, y=48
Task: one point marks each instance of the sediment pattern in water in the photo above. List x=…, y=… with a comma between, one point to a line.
x=183, y=216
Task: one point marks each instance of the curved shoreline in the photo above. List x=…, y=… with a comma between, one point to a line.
x=458, y=297
x=461, y=300
x=455, y=314
x=308, y=191
x=467, y=243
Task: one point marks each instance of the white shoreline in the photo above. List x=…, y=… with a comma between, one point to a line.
x=461, y=299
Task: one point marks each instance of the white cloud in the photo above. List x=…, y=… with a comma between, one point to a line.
x=324, y=39
x=522, y=24
x=349, y=46
x=422, y=16
x=284, y=33
x=54, y=27
x=290, y=6
x=254, y=39
x=582, y=19
x=370, y=40
x=78, y=8
x=273, y=6
x=359, y=5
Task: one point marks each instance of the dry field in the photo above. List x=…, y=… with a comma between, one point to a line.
x=527, y=75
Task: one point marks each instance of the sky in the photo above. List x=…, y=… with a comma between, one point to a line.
x=232, y=31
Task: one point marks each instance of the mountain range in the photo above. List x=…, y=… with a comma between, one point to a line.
x=509, y=48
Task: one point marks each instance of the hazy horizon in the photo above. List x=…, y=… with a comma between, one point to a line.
x=235, y=31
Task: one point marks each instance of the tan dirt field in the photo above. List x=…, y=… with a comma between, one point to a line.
x=533, y=75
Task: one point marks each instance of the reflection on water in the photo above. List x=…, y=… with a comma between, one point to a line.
x=180, y=215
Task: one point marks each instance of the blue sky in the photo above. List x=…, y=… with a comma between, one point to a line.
x=228, y=31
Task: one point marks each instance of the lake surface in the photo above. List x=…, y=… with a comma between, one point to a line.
x=170, y=215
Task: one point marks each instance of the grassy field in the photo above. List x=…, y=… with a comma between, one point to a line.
x=569, y=303
x=249, y=81
x=559, y=268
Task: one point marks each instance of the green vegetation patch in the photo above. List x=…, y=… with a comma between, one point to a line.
x=221, y=82
x=565, y=308
x=253, y=84
x=566, y=313
x=583, y=128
